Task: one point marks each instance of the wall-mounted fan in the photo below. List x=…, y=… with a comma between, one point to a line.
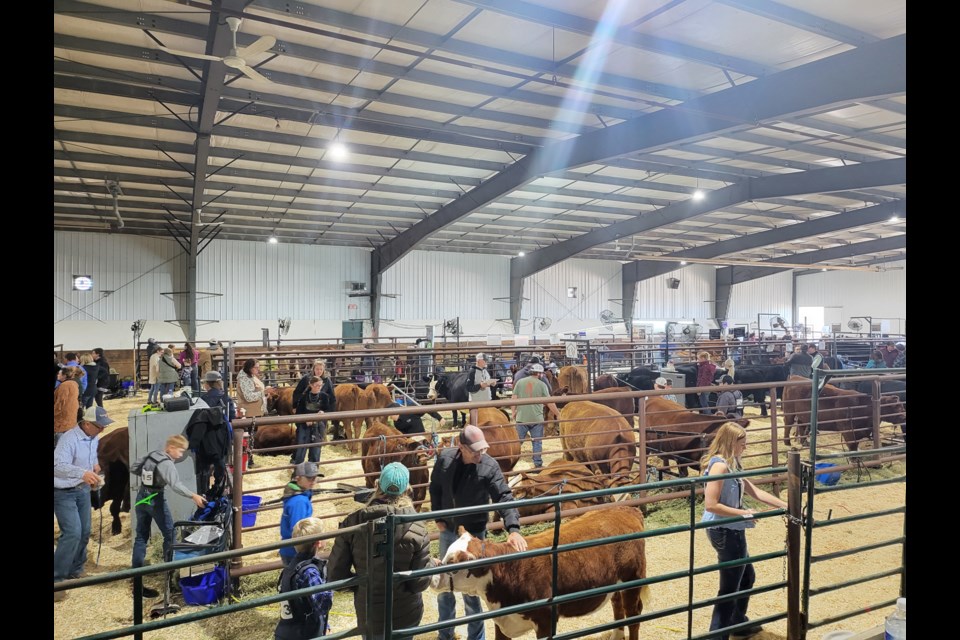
x=283, y=328
x=689, y=333
x=237, y=58
x=542, y=324
x=854, y=325
x=452, y=327
x=608, y=319
x=777, y=322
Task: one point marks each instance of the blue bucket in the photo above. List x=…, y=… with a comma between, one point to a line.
x=250, y=502
x=828, y=479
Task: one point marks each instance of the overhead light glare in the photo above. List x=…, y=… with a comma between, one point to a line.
x=522, y=253
x=894, y=218
x=698, y=195
x=272, y=240
x=824, y=269
x=338, y=150
x=683, y=262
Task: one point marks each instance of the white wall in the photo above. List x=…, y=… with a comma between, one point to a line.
x=770, y=294
x=656, y=302
x=260, y=283
x=859, y=293
x=438, y=285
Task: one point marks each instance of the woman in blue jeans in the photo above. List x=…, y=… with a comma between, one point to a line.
x=724, y=499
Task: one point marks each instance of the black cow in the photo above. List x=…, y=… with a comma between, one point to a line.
x=896, y=388
x=689, y=371
x=639, y=379
x=453, y=387
x=756, y=373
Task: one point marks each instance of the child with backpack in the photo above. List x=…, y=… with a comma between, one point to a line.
x=306, y=616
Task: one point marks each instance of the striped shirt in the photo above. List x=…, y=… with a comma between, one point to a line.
x=76, y=453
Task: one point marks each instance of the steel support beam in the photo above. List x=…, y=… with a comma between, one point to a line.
x=871, y=71
x=628, y=294
x=724, y=287
x=516, y=297
x=803, y=20
x=837, y=222
x=745, y=274
x=220, y=41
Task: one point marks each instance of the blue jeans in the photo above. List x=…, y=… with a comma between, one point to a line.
x=704, y=403
x=536, y=433
x=72, y=508
x=165, y=388
x=447, y=602
x=731, y=544
x=154, y=396
x=158, y=512
x=308, y=433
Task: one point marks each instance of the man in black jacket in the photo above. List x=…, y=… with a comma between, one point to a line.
x=466, y=476
x=103, y=381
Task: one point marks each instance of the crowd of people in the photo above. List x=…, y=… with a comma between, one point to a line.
x=463, y=475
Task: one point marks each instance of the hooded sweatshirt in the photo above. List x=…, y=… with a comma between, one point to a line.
x=296, y=507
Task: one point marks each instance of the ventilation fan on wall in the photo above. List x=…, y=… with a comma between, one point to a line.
x=778, y=322
x=608, y=319
x=452, y=327
x=689, y=333
x=284, y=326
x=854, y=325
x=542, y=324
x=237, y=58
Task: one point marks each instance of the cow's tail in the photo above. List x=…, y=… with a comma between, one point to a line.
x=644, y=597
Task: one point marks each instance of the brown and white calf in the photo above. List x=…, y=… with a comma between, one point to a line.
x=521, y=581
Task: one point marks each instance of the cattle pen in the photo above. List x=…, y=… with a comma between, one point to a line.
x=695, y=569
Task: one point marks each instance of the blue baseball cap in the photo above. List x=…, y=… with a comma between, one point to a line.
x=97, y=415
x=394, y=479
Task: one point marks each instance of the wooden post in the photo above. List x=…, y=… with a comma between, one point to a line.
x=774, y=445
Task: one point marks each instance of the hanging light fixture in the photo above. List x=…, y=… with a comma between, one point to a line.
x=272, y=240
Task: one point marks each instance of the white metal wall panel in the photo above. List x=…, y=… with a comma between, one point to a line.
x=269, y=281
x=656, y=302
x=438, y=285
x=597, y=281
x=135, y=269
x=771, y=294
x=880, y=294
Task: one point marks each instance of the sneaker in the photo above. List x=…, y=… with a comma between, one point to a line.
x=82, y=574
x=59, y=596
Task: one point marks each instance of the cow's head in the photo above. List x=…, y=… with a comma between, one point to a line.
x=464, y=549
x=432, y=391
x=893, y=411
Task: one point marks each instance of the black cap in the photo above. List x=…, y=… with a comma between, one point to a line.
x=534, y=360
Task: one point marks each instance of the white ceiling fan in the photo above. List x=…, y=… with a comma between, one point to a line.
x=237, y=57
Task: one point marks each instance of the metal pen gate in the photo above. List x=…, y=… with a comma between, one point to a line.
x=809, y=474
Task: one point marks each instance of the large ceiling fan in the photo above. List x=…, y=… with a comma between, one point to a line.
x=237, y=57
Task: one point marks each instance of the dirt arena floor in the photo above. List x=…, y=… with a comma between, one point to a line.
x=94, y=609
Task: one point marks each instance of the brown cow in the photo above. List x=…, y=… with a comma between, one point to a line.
x=501, y=435
x=375, y=396
x=510, y=583
x=844, y=410
x=600, y=438
x=573, y=380
x=275, y=435
x=606, y=381
x=623, y=406
x=280, y=400
x=349, y=398
x=680, y=435
x=559, y=477
x=393, y=446
x=113, y=454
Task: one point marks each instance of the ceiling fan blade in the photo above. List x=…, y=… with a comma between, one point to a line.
x=252, y=74
x=188, y=54
x=259, y=46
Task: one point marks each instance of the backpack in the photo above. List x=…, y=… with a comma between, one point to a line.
x=301, y=610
